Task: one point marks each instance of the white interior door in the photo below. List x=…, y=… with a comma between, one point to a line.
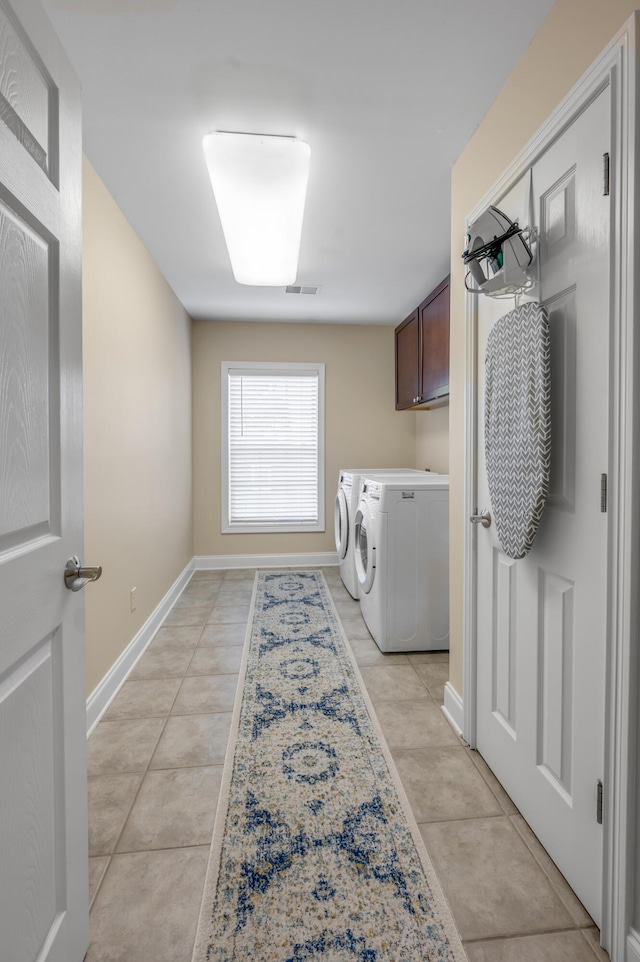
x=542, y=620
x=43, y=825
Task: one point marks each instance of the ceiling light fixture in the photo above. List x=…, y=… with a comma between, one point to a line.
x=259, y=183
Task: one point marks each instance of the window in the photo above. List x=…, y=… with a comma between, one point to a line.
x=272, y=447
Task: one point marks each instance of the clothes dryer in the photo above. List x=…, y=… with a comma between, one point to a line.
x=346, y=504
x=401, y=549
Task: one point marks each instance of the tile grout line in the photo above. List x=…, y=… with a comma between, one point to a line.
x=573, y=927
x=593, y=948
x=144, y=771
x=460, y=818
x=141, y=772
x=552, y=881
x=489, y=784
x=523, y=935
x=504, y=813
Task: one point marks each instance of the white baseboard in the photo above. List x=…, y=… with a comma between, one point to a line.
x=453, y=709
x=102, y=696
x=633, y=946
x=311, y=560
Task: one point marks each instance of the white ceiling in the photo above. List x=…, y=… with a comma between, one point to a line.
x=386, y=92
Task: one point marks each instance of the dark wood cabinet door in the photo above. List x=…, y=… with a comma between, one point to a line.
x=433, y=315
x=407, y=362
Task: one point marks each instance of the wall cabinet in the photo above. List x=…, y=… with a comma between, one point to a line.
x=422, y=353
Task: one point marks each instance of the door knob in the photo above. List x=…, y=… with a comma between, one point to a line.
x=484, y=518
x=77, y=575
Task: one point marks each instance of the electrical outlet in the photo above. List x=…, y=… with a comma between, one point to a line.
x=134, y=598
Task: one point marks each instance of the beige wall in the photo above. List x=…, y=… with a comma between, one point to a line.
x=432, y=439
x=137, y=435
x=137, y=429
x=572, y=36
x=362, y=426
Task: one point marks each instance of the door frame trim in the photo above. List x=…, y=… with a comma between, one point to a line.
x=616, y=68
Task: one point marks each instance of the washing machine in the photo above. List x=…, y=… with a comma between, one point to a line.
x=347, y=498
x=401, y=546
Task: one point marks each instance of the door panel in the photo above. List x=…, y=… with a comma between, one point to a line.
x=43, y=820
x=407, y=346
x=29, y=730
x=25, y=92
x=562, y=323
x=555, y=678
x=434, y=345
x=542, y=620
x=503, y=649
x=25, y=404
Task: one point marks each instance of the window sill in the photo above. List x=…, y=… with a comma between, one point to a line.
x=271, y=528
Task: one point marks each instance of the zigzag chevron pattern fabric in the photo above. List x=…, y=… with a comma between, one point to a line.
x=517, y=424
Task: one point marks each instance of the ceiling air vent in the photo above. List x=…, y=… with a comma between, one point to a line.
x=296, y=289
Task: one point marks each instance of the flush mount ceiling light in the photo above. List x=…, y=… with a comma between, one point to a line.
x=259, y=183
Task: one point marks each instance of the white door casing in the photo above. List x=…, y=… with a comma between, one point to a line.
x=617, y=70
x=541, y=620
x=43, y=822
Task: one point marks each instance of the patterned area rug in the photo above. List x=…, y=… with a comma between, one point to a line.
x=315, y=853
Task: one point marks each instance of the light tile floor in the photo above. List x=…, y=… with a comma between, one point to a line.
x=155, y=764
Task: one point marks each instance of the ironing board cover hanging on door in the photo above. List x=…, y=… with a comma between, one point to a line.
x=517, y=424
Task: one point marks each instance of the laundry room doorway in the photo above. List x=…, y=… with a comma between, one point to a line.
x=545, y=641
x=541, y=620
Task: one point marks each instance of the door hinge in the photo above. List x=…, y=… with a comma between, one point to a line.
x=607, y=174
x=603, y=493
x=599, y=803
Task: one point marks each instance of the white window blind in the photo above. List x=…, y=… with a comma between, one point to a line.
x=273, y=447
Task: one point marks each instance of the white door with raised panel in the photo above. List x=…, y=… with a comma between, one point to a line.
x=43, y=822
x=542, y=620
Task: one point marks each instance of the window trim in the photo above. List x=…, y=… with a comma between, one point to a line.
x=274, y=368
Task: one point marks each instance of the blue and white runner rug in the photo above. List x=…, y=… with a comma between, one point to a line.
x=315, y=852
